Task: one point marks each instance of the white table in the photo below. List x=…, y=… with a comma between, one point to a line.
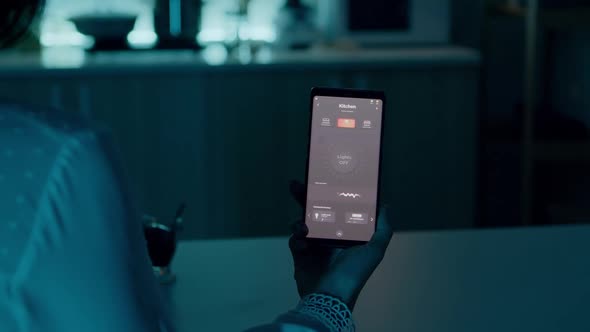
x=535, y=279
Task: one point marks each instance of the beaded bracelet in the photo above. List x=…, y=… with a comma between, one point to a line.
x=330, y=311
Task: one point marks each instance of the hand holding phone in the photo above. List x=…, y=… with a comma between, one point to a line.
x=339, y=272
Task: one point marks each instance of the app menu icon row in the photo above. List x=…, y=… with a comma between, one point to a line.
x=347, y=123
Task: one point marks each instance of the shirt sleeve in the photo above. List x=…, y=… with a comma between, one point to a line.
x=283, y=327
x=86, y=267
x=292, y=322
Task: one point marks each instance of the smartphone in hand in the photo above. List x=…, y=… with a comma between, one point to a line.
x=343, y=166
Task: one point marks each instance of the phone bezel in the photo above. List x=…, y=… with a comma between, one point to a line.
x=347, y=93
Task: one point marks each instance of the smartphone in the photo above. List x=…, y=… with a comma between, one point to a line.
x=343, y=165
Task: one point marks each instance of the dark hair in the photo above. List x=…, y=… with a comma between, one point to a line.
x=16, y=18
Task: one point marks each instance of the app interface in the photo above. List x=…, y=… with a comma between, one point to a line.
x=343, y=168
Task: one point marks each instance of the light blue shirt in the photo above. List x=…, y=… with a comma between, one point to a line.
x=72, y=252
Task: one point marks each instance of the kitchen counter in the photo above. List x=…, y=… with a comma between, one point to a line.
x=71, y=60
x=531, y=279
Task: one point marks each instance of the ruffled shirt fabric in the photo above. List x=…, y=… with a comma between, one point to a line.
x=72, y=253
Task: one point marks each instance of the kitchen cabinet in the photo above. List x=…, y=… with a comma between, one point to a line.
x=227, y=139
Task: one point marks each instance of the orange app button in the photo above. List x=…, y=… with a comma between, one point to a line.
x=346, y=123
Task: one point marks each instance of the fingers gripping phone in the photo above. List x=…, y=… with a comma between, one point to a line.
x=343, y=167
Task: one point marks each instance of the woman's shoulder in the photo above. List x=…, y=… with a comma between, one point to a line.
x=32, y=142
x=49, y=123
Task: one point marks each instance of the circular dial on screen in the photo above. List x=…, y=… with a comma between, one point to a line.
x=341, y=162
x=344, y=161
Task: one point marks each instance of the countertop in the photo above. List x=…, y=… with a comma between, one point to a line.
x=72, y=60
x=529, y=279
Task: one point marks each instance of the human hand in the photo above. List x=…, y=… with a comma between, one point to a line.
x=335, y=271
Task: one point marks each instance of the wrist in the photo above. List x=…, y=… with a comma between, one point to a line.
x=330, y=311
x=338, y=290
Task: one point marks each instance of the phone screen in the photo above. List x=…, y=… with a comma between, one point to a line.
x=343, y=170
